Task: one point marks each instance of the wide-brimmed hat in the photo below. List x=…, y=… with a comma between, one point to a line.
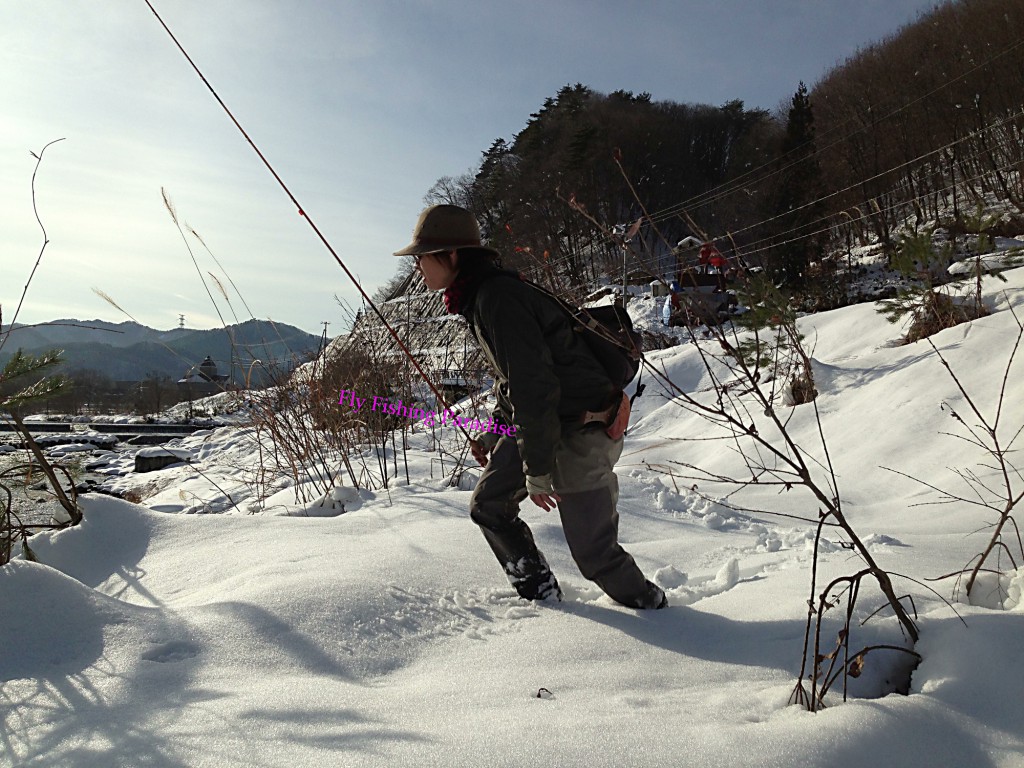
x=444, y=228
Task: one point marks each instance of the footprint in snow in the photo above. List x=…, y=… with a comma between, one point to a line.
x=177, y=650
x=580, y=593
x=727, y=577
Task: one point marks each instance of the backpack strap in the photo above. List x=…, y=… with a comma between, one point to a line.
x=587, y=322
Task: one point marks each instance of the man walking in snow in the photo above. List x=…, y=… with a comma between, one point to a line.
x=559, y=399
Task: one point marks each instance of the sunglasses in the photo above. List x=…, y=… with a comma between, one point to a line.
x=419, y=256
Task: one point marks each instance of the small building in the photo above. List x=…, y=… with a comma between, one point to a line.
x=203, y=380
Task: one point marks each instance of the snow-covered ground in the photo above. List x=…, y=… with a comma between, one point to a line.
x=1008, y=252
x=387, y=635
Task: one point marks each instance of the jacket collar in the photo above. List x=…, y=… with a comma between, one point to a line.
x=460, y=296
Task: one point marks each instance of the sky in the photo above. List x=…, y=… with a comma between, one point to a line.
x=359, y=106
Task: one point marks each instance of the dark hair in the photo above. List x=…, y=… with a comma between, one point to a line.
x=476, y=261
x=485, y=255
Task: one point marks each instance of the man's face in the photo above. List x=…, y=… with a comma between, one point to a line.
x=438, y=269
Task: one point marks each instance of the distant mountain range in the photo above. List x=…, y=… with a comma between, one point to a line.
x=132, y=352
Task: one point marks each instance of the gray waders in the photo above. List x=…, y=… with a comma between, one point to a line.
x=584, y=478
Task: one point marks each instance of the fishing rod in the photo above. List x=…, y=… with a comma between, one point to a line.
x=302, y=212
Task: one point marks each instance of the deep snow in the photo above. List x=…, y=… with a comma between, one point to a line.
x=387, y=635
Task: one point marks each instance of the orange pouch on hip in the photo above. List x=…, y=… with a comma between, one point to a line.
x=617, y=428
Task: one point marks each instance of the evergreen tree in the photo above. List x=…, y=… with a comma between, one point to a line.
x=799, y=210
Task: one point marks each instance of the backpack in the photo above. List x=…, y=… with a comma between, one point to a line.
x=609, y=334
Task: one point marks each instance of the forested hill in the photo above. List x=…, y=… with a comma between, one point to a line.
x=131, y=352
x=923, y=128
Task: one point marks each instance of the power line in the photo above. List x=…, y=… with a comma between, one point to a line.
x=734, y=185
x=888, y=209
x=972, y=136
x=737, y=184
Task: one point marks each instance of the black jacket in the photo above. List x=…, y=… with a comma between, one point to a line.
x=545, y=375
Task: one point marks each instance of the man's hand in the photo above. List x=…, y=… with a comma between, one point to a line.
x=480, y=452
x=482, y=445
x=541, y=492
x=546, y=501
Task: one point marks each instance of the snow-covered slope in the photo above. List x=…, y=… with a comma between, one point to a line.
x=387, y=635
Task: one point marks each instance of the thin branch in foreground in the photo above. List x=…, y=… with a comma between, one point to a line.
x=46, y=241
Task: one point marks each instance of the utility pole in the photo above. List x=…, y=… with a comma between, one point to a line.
x=323, y=339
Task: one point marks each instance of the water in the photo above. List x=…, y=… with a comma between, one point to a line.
x=34, y=501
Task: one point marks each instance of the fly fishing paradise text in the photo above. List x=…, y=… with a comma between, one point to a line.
x=444, y=419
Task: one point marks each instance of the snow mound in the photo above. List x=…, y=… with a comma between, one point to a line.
x=53, y=624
